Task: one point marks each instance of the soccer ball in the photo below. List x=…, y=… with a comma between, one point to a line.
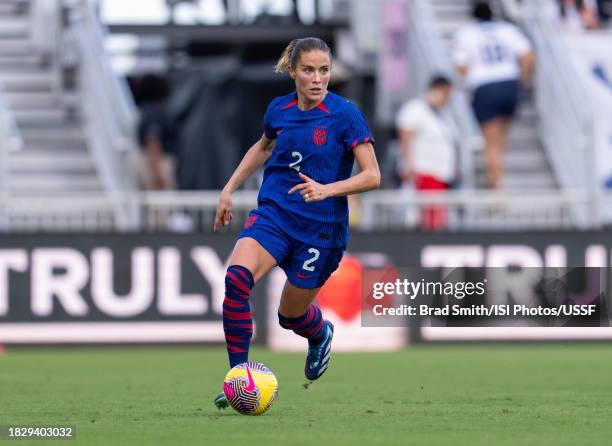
x=250, y=388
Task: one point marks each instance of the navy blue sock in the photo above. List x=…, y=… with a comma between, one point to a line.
x=309, y=325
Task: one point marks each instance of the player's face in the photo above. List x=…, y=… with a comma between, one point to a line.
x=311, y=75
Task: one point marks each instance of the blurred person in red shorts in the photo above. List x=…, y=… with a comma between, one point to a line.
x=428, y=158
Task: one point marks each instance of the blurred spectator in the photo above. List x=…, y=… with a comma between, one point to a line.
x=579, y=14
x=604, y=8
x=156, y=135
x=266, y=17
x=492, y=57
x=427, y=147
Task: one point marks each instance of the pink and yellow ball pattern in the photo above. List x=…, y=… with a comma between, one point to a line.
x=250, y=388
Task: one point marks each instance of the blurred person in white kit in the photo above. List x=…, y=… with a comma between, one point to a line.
x=494, y=58
x=427, y=146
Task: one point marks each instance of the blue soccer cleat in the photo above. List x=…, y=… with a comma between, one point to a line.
x=319, y=354
x=221, y=401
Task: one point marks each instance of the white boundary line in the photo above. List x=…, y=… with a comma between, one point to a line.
x=110, y=332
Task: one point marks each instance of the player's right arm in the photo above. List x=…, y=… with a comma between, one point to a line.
x=520, y=45
x=255, y=157
x=526, y=61
x=407, y=124
x=406, y=139
x=461, y=53
x=154, y=154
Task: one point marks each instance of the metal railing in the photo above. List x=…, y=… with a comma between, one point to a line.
x=10, y=139
x=381, y=210
x=46, y=35
x=108, y=107
x=430, y=56
x=477, y=210
x=566, y=120
x=45, y=27
x=510, y=9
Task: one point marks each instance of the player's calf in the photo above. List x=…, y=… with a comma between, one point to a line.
x=237, y=317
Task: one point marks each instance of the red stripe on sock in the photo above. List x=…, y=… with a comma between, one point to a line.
x=316, y=328
x=235, y=349
x=232, y=303
x=243, y=274
x=232, y=338
x=237, y=316
x=311, y=315
x=238, y=284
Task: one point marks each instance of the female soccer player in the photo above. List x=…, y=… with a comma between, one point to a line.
x=494, y=57
x=310, y=141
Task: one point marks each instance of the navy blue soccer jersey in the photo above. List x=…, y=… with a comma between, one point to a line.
x=318, y=143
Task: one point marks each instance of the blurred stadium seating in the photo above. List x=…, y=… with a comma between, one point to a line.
x=68, y=115
x=88, y=258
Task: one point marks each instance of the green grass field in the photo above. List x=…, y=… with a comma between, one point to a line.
x=473, y=395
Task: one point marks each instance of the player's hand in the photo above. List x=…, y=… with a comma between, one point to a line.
x=310, y=190
x=224, y=211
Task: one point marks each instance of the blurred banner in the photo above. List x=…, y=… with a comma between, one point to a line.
x=113, y=289
x=131, y=288
x=393, y=80
x=593, y=56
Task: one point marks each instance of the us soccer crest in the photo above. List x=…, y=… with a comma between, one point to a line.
x=319, y=135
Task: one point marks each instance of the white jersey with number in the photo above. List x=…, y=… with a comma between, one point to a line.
x=490, y=50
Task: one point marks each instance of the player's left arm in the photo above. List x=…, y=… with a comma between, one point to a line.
x=524, y=52
x=367, y=179
x=460, y=54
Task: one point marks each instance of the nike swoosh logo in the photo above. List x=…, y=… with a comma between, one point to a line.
x=251, y=385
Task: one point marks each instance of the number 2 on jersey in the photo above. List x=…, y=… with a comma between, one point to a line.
x=296, y=164
x=307, y=264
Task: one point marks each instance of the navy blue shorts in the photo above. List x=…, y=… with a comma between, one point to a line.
x=495, y=100
x=306, y=266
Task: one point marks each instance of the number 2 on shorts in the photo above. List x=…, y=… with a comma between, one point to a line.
x=307, y=264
